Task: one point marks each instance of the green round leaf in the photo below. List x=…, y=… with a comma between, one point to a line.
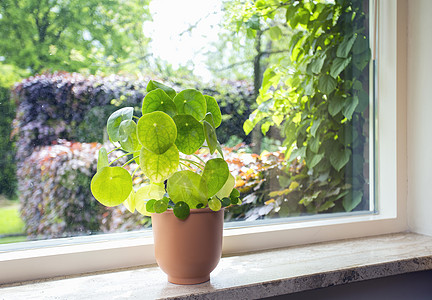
x=215, y=174
x=128, y=136
x=225, y=201
x=215, y=204
x=102, y=159
x=111, y=185
x=156, y=131
x=160, y=206
x=235, y=193
x=189, y=187
x=158, y=100
x=150, y=206
x=213, y=108
x=159, y=167
x=153, y=85
x=115, y=120
x=226, y=190
x=210, y=136
x=181, y=210
x=191, y=102
x=129, y=203
x=190, y=134
x=151, y=191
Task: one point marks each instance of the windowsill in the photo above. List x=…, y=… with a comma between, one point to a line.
x=252, y=275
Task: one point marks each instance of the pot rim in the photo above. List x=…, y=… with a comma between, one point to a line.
x=193, y=211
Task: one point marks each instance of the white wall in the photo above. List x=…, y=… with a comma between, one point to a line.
x=419, y=115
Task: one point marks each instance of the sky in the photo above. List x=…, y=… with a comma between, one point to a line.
x=171, y=40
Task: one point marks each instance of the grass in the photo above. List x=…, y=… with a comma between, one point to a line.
x=10, y=222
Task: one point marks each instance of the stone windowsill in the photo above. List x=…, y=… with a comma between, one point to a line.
x=252, y=275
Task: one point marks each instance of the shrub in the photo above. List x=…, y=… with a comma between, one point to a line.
x=68, y=106
x=55, y=192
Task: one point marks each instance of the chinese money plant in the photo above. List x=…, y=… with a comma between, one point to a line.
x=163, y=142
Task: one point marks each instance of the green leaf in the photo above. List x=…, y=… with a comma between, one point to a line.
x=191, y=102
x=215, y=174
x=190, y=134
x=350, y=107
x=326, y=84
x=209, y=118
x=156, y=131
x=153, y=85
x=361, y=44
x=299, y=152
x=115, y=120
x=213, y=108
x=253, y=22
x=160, y=206
x=159, y=167
x=315, y=126
x=149, y=208
x=275, y=33
x=339, y=64
x=111, y=185
x=315, y=160
x=102, y=159
x=248, y=126
x=225, y=201
x=145, y=193
x=158, y=100
x=336, y=103
x=215, y=204
x=234, y=193
x=314, y=144
x=128, y=136
x=126, y=128
x=226, y=190
x=345, y=47
x=350, y=202
x=129, y=203
x=187, y=186
x=210, y=136
x=362, y=60
x=339, y=157
x=181, y=210
x=317, y=64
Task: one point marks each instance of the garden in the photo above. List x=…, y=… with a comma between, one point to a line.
x=291, y=79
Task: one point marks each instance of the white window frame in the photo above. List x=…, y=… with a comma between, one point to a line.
x=391, y=174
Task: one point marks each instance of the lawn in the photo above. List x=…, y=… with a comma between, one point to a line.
x=10, y=222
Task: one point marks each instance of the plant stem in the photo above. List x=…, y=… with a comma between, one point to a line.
x=187, y=166
x=119, y=158
x=130, y=160
x=133, y=173
x=194, y=163
x=135, y=117
x=199, y=158
x=117, y=148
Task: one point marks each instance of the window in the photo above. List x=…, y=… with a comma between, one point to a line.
x=389, y=219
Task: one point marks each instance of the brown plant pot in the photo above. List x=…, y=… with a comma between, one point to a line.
x=187, y=251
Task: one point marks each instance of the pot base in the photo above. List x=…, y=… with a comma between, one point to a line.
x=196, y=280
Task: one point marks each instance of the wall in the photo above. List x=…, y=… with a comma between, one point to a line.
x=419, y=114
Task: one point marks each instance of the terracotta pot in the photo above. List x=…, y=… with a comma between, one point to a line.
x=187, y=251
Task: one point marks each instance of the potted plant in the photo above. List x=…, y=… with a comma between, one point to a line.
x=185, y=195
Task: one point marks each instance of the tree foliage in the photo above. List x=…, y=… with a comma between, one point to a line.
x=318, y=93
x=75, y=35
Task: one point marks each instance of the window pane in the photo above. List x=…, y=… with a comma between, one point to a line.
x=292, y=80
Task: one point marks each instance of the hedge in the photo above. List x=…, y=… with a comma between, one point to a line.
x=56, y=198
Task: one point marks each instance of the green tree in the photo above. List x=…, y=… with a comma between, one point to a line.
x=85, y=36
x=8, y=182
x=318, y=92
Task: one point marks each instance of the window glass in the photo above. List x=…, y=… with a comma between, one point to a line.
x=292, y=78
